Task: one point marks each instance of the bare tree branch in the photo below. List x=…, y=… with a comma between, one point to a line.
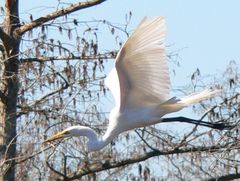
x=225, y=177
x=109, y=165
x=109, y=55
x=40, y=21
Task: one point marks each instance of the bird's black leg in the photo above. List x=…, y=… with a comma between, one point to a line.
x=219, y=126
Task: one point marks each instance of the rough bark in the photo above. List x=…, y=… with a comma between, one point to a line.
x=9, y=90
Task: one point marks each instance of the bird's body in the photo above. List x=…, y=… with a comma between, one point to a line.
x=140, y=85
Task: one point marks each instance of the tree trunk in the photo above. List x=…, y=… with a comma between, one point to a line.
x=9, y=91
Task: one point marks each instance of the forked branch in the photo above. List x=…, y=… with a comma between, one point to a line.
x=40, y=21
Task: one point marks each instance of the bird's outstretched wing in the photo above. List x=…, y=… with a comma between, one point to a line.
x=141, y=77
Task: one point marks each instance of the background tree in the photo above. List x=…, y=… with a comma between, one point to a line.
x=52, y=76
x=25, y=69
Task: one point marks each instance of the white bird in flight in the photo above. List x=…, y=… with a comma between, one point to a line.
x=140, y=85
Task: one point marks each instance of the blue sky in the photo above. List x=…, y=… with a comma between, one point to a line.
x=207, y=32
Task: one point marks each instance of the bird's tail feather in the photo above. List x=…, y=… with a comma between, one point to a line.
x=200, y=96
x=174, y=104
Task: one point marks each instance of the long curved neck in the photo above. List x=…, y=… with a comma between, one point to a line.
x=94, y=143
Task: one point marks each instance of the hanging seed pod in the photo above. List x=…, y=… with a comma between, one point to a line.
x=104, y=91
x=69, y=34
x=75, y=22
x=51, y=40
x=43, y=28
x=98, y=97
x=84, y=73
x=113, y=31
x=60, y=29
x=89, y=94
x=95, y=49
x=231, y=83
x=59, y=47
x=146, y=173
x=31, y=17
x=140, y=170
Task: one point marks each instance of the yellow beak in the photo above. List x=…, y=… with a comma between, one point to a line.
x=57, y=136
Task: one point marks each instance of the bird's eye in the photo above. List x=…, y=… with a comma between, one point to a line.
x=67, y=132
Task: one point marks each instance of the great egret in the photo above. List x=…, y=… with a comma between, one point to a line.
x=140, y=85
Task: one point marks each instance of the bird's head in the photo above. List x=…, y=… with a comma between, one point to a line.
x=69, y=132
x=93, y=143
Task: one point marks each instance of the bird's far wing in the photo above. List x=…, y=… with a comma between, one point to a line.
x=141, y=66
x=112, y=82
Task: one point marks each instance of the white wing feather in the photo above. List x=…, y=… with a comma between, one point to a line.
x=112, y=82
x=140, y=77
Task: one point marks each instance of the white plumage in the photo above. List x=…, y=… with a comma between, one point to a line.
x=140, y=85
x=141, y=68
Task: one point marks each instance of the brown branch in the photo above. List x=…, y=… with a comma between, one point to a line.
x=110, y=55
x=110, y=165
x=225, y=177
x=40, y=21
